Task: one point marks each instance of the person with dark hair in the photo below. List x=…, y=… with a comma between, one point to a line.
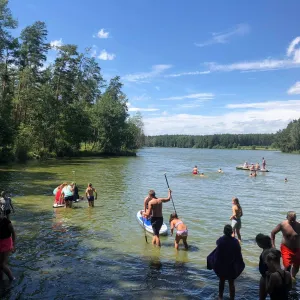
x=8, y=204
x=89, y=192
x=237, y=213
x=151, y=194
x=195, y=170
x=264, y=242
x=278, y=281
x=181, y=230
x=227, y=261
x=155, y=211
x=290, y=243
x=7, y=244
x=263, y=163
x=75, y=192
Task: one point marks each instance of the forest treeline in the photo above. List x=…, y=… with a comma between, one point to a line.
x=53, y=109
x=287, y=140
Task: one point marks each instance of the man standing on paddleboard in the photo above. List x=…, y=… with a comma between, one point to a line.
x=155, y=211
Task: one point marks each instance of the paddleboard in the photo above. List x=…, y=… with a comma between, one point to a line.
x=147, y=224
x=58, y=205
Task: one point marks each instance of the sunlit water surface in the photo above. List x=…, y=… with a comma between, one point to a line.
x=101, y=253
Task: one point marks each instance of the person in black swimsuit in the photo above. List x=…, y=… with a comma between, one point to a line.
x=278, y=281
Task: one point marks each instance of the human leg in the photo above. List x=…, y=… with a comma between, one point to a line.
x=238, y=233
x=262, y=288
x=295, y=269
x=3, y=265
x=186, y=246
x=177, y=240
x=231, y=289
x=92, y=203
x=221, y=288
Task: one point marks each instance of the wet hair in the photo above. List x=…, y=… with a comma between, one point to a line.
x=152, y=193
x=228, y=230
x=173, y=216
x=89, y=184
x=195, y=166
x=273, y=255
x=3, y=193
x=291, y=215
x=263, y=241
x=237, y=202
x=73, y=183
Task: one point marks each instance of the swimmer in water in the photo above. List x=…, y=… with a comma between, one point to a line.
x=220, y=171
x=195, y=170
x=285, y=179
x=202, y=175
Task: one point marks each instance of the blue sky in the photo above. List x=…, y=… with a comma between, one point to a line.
x=190, y=67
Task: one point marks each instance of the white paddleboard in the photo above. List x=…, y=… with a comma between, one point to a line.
x=147, y=224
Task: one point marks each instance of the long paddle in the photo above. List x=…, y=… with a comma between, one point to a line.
x=171, y=194
x=144, y=229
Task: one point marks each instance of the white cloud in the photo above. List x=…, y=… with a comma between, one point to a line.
x=199, y=96
x=142, y=109
x=157, y=88
x=292, y=61
x=223, y=37
x=268, y=118
x=267, y=104
x=188, y=73
x=295, y=89
x=56, y=43
x=104, y=55
x=156, y=70
x=143, y=97
x=102, y=34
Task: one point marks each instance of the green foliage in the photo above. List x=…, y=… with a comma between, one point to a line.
x=216, y=141
x=288, y=139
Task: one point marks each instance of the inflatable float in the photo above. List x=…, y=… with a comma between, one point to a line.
x=147, y=224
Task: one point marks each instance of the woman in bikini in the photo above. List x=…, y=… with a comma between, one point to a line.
x=236, y=222
x=181, y=230
x=195, y=170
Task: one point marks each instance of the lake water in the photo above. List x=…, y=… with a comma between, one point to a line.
x=101, y=253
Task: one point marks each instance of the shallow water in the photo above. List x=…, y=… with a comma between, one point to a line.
x=86, y=253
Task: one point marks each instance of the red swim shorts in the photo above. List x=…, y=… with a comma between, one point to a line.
x=6, y=245
x=290, y=256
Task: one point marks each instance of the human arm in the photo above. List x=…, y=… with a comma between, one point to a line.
x=273, y=233
x=95, y=194
x=166, y=199
x=86, y=193
x=172, y=227
x=13, y=235
x=233, y=213
x=273, y=280
x=10, y=203
x=146, y=200
x=147, y=213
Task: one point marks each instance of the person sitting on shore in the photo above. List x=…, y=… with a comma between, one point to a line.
x=278, y=281
x=195, y=170
x=264, y=242
x=181, y=230
x=227, y=261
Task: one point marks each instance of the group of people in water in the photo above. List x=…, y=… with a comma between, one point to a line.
x=67, y=194
x=227, y=260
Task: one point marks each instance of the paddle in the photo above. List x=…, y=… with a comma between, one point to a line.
x=171, y=195
x=144, y=229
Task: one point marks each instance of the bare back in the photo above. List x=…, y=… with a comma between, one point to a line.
x=90, y=191
x=290, y=234
x=156, y=206
x=236, y=211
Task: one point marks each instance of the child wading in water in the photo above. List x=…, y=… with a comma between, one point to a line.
x=7, y=243
x=89, y=192
x=181, y=230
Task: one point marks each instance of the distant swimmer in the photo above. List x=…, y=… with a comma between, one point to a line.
x=290, y=243
x=89, y=192
x=253, y=174
x=220, y=171
x=181, y=230
x=263, y=163
x=195, y=170
x=202, y=175
x=252, y=168
x=155, y=211
x=257, y=166
x=285, y=179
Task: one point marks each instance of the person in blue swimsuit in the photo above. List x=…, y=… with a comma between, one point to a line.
x=89, y=192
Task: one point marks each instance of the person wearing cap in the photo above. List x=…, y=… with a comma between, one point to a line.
x=8, y=204
x=89, y=192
